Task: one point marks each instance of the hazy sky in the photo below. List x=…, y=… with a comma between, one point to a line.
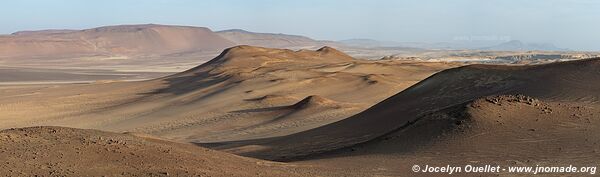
x=573, y=24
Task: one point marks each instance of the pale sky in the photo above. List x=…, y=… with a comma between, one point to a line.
x=573, y=24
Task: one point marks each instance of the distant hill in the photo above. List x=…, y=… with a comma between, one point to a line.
x=41, y=32
x=513, y=45
x=141, y=40
x=456, y=45
x=370, y=43
x=272, y=40
x=516, y=45
x=123, y=40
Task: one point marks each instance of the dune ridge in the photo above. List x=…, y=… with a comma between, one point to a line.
x=326, y=109
x=213, y=101
x=442, y=90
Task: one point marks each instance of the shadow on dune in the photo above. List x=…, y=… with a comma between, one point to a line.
x=258, y=110
x=564, y=81
x=182, y=84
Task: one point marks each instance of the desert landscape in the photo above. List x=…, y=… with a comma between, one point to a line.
x=185, y=100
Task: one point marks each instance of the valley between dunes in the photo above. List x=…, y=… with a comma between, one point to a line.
x=246, y=92
x=317, y=113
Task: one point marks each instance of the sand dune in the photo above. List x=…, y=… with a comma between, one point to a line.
x=245, y=93
x=505, y=130
x=450, y=113
x=326, y=112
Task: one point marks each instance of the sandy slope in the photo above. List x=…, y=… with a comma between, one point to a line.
x=328, y=113
x=56, y=151
x=507, y=130
x=443, y=120
x=245, y=93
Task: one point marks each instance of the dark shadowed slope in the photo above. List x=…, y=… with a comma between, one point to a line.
x=574, y=81
x=505, y=131
x=244, y=93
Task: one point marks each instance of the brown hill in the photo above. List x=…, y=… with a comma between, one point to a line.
x=138, y=40
x=505, y=131
x=566, y=82
x=244, y=93
x=41, y=32
x=124, y=40
x=316, y=108
x=246, y=58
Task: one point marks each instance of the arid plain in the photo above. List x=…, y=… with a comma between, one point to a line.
x=156, y=100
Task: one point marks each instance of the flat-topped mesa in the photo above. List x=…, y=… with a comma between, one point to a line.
x=122, y=40
x=122, y=28
x=140, y=27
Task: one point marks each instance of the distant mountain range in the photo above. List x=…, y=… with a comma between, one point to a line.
x=140, y=40
x=370, y=43
x=157, y=40
x=516, y=45
x=122, y=40
x=513, y=45
x=51, y=31
x=272, y=40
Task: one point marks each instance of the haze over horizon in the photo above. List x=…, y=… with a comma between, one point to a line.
x=271, y=88
x=567, y=24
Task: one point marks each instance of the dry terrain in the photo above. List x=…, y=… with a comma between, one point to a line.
x=27, y=75
x=478, y=114
x=317, y=112
x=57, y=151
x=245, y=93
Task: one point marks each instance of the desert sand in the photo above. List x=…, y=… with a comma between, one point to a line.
x=246, y=92
x=307, y=113
x=475, y=114
x=57, y=151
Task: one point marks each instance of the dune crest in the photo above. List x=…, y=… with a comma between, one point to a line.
x=445, y=90
x=244, y=93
